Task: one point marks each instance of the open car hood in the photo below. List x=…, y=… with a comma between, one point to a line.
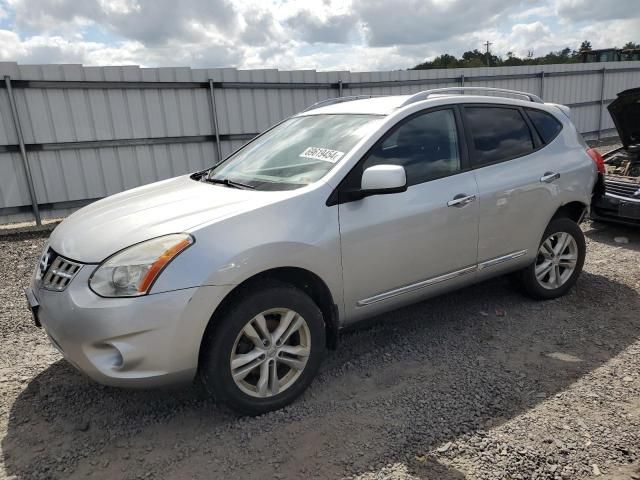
x=625, y=112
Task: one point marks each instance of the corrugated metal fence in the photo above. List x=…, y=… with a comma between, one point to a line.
x=82, y=133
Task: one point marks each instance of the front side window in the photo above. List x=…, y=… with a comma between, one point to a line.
x=425, y=145
x=298, y=152
x=497, y=134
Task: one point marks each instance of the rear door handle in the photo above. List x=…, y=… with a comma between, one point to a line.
x=549, y=177
x=461, y=200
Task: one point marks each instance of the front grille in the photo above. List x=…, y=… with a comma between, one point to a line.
x=622, y=189
x=60, y=274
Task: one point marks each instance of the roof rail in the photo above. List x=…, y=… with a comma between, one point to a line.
x=436, y=91
x=331, y=101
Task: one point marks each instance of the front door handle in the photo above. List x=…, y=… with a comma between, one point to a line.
x=461, y=200
x=549, y=177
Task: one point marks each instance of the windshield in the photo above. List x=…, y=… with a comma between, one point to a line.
x=299, y=151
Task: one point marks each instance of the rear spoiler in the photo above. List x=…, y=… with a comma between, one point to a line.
x=563, y=108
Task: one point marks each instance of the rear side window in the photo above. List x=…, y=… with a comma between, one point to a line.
x=497, y=134
x=545, y=124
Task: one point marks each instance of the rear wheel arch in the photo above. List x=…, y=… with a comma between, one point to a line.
x=532, y=283
x=573, y=210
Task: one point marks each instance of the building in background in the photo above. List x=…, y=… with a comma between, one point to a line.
x=610, y=55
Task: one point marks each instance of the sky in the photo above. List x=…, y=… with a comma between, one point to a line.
x=356, y=35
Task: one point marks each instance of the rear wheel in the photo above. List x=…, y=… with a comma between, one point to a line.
x=559, y=261
x=264, y=349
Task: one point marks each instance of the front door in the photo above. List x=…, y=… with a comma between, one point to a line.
x=399, y=247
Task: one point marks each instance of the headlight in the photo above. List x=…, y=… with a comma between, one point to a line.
x=132, y=271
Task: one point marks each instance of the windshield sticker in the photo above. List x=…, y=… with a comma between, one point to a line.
x=325, y=154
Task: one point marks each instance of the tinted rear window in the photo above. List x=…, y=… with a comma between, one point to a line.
x=547, y=126
x=497, y=134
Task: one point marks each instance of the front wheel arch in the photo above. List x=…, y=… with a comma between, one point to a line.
x=219, y=352
x=305, y=280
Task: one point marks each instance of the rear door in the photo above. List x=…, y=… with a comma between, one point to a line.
x=517, y=184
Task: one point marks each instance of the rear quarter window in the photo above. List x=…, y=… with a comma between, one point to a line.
x=497, y=134
x=547, y=126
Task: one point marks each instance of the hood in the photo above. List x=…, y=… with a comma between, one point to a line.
x=171, y=206
x=625, y=112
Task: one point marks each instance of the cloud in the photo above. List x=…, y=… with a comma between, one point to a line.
x=260, y=27
x=580, y=10
x=152, y=22
x=356, y=35
x=535, y=12
x=56, y=49
x=311, y=28
x=45, y=16
x=39, y=49
x=411, y=22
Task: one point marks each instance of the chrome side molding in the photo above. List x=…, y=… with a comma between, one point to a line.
x=501, y=259
x=415, y=286
x=440, y=278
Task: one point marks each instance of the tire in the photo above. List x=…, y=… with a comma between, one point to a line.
x=545, y=288
x=227, y=340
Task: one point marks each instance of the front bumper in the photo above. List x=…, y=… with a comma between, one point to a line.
x=144, y=341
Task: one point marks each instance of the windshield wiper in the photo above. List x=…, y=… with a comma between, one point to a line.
x=229, y=183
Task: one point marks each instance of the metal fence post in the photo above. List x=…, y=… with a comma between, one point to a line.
x=214, y=116
x=23, y=150
x=542, y=85
x=602, y=84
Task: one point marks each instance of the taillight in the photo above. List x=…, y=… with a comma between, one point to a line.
x=597, y=159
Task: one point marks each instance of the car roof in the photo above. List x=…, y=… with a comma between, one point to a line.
x=385, y=105
x=367, y=106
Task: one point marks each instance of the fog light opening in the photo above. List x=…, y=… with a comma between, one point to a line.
x=110, y=356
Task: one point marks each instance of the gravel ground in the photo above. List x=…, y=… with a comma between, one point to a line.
x=481, y=384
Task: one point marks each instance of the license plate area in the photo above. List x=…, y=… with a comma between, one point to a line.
x=629, y=209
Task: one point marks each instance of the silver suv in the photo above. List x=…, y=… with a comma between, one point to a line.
x=243, y=274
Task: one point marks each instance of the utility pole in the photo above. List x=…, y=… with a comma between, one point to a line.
x=488, y=44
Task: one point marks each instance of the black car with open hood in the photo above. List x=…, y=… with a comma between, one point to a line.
x=619, y=199
x=625, y=112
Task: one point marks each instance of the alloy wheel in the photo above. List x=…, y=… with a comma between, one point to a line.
x=270, y=352
x=557, y=260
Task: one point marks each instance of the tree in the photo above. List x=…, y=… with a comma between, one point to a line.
x=445, y=61
x=585, y=46
x=477, y=58
x=512, y=60
x=630, y=46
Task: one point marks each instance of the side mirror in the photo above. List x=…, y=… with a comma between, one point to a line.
x=383, y=179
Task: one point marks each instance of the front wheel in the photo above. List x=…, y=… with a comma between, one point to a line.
x=559, y=261
x=264, y=349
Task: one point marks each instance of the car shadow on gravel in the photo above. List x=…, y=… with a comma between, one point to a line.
x=395, y=392
x=607, y=233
